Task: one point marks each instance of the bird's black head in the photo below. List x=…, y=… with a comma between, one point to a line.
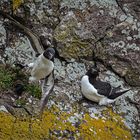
x=49, y=53
x=93, y=72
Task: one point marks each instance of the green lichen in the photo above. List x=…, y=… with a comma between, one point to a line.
x=79, y=49
x=76, y=48
x=72, y=45
x=63, y=35
x=54, y=124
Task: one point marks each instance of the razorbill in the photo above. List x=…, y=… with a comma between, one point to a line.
x=43, y=66
x=97, y=90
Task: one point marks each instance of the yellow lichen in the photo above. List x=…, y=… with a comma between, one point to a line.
x=16, y=4
x=54, y=120
x=110, y=128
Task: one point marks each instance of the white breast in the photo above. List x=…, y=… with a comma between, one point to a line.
x=89, y=90
x=42, y=68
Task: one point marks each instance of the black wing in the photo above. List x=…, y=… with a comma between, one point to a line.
x=103, y=88
x=115, y=95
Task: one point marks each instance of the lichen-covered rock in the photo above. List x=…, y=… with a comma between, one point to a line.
x=69, y=44
x=20, y=53
x=120, y=48
x=59, y=125
x=81, y=31
x=121, y=51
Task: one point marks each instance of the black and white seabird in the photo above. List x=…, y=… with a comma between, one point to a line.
x=97, y=90
x=43, y=66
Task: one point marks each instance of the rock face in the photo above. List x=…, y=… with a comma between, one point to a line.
x=70, y=40
x=106, y=30
x=83, y=32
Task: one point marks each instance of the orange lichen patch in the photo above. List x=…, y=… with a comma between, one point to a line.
x=54, y=122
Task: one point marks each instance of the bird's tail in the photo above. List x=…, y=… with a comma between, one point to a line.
x=118, y=94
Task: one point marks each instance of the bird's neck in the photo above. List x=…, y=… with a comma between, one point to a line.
x=44, y=59
x=92, y=79
x=92, y=76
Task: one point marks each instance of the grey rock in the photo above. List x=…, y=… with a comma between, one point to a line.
x=2, y=108
x=80, y=28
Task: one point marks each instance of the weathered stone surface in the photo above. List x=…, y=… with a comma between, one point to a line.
x=76, y=29
x=21, y=53
x=121, y=51
x=120, y=46
x=69, y=44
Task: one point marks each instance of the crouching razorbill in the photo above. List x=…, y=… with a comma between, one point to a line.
x=43, y=66
x=97, y=90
